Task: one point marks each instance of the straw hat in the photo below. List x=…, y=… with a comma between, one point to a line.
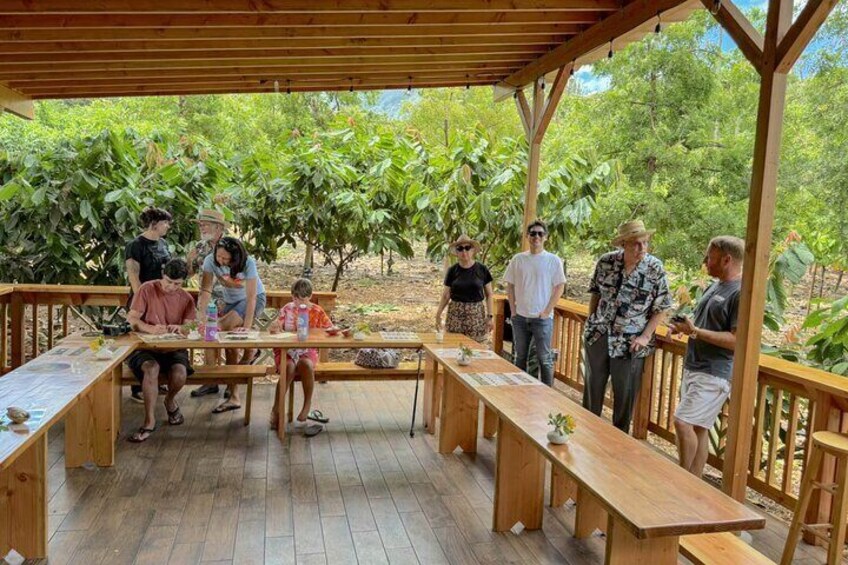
x=211, y=216
x=464, y=240
x=631, y=230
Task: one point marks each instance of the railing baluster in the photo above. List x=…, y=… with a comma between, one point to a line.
x=35, y=329
x=4, y=338
x=774, y=439
x=50, y=332
x=662, y=401
x=759, y=427
x=672, y=392
x=64, y=321
x=789, y=453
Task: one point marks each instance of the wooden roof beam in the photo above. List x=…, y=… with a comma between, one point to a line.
x=800, y=33
x=740, y=29
x=633, y=15
x=285, y=6
x=16, y=102
x=198, y=33
x=93, y=21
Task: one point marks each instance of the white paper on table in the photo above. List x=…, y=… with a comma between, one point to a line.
x=399, y=336
x=155, y=338
x=281, y=336
x=250, y=335
x=499, y=379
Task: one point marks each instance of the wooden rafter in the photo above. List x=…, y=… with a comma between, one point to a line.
x=740, y=29
x=800, y=33
x=285, y=6
x=633, y=15
x=16, y=103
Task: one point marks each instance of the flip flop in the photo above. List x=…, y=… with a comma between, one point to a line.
x=226, y=407
x=137, y=436
x=312, y=430
x=176, y=417
x=317, y=416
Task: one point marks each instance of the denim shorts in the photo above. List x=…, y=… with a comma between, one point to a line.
x=240, y=307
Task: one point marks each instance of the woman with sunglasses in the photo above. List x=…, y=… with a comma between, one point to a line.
x=244, y=300
x=467, y=293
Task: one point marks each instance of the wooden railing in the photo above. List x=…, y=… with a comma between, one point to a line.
x=23, y=308
x=793, y=401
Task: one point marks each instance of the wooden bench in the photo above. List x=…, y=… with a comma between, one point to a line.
x=347, y=371
x=720, y=549
x=218, y=374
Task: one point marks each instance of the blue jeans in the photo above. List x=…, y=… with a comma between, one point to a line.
x=541, y=330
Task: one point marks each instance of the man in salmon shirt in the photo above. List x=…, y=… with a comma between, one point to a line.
x=159, y=307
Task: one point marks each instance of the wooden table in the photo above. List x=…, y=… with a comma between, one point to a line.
x=65, y=382
x=318, y=339
x=640, y=498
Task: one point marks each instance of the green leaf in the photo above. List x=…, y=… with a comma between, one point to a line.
x=9, y=190
x=113, y=196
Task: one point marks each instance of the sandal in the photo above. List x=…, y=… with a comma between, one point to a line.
x=175, y=417
x=273, y=421
x=312, y=430
x=142, y=435
x=225, y=407
x=317, y=416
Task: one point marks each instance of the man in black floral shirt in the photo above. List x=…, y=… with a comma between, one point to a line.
x=630, y=299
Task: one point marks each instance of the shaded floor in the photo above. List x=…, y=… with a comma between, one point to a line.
x=214, y=491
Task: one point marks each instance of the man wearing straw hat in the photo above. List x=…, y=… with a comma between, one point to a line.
x=629, y=300
x=212, y=226
x=534, y=280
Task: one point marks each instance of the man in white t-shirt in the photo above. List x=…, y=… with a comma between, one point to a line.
x=535, y=280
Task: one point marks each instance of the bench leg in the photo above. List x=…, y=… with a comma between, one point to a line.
x=290, y=410
x=23, y=503
x=458, y=419
x=490, y=422
x=90, y=427
x=623, y=548
x=117, y=397
x=249, y=401
x=281, y=410
x=563, y=488
x=590, y=515
x=519, y=481
x=430, y=370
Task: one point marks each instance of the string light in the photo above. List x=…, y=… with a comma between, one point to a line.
x=468, y=82
x=659, y=24
x=276, y=87
x=409, y=88
x=573, y=64
x=716, y=7
x=351, y=85
x=609, y=55
x=288, y=86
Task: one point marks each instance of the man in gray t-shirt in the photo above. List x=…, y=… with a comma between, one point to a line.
x=709, y=354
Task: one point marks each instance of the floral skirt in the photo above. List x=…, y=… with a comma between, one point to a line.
x=467, y=318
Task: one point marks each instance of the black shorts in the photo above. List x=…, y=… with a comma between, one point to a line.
x=165, y=359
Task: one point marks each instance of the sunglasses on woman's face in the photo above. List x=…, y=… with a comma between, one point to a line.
x=464, y=247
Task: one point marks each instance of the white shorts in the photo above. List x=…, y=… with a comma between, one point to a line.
x=701, y=397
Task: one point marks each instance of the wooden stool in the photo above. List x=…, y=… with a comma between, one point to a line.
x=836, y=445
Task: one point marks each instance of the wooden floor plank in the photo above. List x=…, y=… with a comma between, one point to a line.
x=279, y=551
x=369, y=548
x=389, y=523
x=307, y=529
x=338, y=543
x=424, y=541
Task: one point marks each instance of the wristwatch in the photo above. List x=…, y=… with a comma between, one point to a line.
x=694, y=334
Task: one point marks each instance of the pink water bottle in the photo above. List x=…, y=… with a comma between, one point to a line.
x=211, y=333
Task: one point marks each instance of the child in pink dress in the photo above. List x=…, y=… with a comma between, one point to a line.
x=300, y=362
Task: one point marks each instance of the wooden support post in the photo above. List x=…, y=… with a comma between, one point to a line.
x=18, y=331
x=282, y=389
x=519, y=481
x=590, y=514
x=16, y=102
x=23, y=503
x=626, y=549
x=761, y=208
x=563, y=487
x=90, y=426
x=490, y=422
x=458, y=417
x=117, y=397
x=642, y=410
x=430, y=389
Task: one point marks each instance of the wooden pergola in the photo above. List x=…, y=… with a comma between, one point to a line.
x=100, y=48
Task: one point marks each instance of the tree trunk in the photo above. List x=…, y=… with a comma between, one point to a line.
x=812, y=288
x=382, y=257
x=821, y=282
x=338, y=277
x=391, y=262
x=308, y=259
x=839, y=281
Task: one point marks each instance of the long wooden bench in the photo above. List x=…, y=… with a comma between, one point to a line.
x=219, y=374
x=720, y=549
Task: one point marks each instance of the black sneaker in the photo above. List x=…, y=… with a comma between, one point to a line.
x=204, y=390
x=137, y=396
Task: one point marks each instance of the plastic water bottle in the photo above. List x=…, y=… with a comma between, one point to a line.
x=302, y=323
x=211, y=333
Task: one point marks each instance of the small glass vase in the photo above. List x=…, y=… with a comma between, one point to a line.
x=557, y=438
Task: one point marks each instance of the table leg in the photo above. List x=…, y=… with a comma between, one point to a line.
x=563, y=488
x=90, y=426
x=23, y=503
x=430, y=388
x=282, y=390
x=623, y=548
x=490, y=422
x=519, y=481
x=590, y=515
x=117, y=398
x=458, y=417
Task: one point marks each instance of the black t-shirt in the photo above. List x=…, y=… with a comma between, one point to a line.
x=150, y=255
x=467, y=284
x=718, y=311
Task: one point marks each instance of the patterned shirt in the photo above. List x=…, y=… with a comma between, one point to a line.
x=318, y=318
x=203, y=248
x=626, y=303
